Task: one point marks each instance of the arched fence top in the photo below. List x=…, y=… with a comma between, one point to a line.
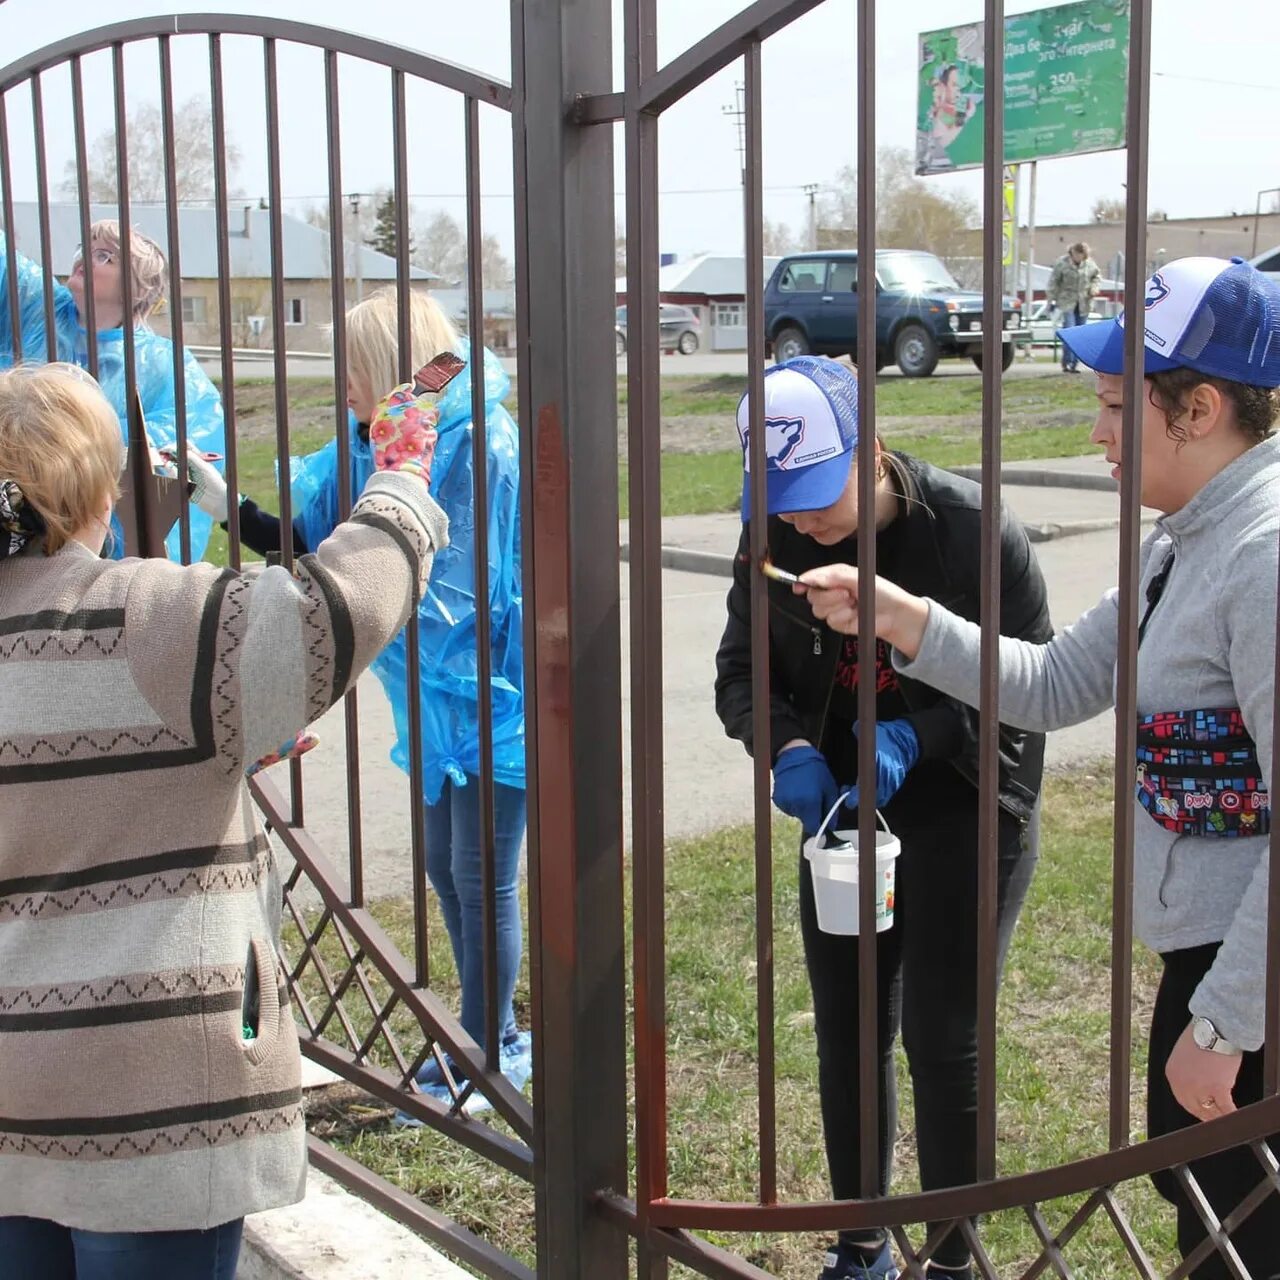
x=496, y=93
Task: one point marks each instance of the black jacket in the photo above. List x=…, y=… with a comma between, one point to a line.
x=938, y=556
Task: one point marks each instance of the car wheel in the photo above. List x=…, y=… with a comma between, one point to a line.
x=789, y=344
x=688, y=342
x=915, y=351
x=1006, y=357
x=620, y=344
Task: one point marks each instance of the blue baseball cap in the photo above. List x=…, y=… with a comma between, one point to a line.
x=1216, y=316
x=811, y=432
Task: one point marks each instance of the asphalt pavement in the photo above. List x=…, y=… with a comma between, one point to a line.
x=707, y=777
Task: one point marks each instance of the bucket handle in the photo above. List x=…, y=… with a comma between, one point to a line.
x=818, y=840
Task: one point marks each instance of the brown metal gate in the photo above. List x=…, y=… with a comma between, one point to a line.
x=350, y=982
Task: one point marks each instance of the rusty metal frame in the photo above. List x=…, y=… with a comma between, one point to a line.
x=345, y=974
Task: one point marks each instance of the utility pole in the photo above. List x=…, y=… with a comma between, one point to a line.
x=358, y=253
x=811, y=190
x=738, y=113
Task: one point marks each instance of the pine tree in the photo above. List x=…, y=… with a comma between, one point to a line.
x=383, y=235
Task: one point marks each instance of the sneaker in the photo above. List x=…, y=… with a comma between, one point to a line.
x=515, y=1061
x=847, y=1262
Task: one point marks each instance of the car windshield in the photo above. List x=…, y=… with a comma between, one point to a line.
x=914, y=273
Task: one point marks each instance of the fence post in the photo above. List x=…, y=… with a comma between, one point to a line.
x=567, y=382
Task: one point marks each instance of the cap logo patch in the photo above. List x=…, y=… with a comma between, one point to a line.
x=1157, y=291
x=782, y=437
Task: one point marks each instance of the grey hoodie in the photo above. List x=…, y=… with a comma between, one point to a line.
x=1210, y=643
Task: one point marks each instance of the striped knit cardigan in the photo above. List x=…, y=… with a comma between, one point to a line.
x=139, y=901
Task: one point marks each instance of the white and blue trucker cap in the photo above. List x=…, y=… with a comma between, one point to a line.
x=811, y=431
x=1216, y=316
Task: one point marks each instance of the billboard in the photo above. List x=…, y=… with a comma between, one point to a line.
x=1066, y=77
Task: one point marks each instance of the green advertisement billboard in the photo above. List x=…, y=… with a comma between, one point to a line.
x=1066, y=73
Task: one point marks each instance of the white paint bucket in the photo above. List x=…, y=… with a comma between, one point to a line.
x=835, y=875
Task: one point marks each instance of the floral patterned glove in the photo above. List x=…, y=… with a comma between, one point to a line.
x=402, y=429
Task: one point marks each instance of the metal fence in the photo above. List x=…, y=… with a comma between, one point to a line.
x=368, y=1011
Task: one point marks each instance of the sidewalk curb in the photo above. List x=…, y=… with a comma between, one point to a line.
x=1045, y=477
x=718, y=565
x=332, y=1235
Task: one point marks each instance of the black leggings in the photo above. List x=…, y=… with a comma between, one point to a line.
x=1229, y=1176
x=926, y=975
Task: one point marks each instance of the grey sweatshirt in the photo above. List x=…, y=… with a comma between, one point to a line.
x=1210, y=643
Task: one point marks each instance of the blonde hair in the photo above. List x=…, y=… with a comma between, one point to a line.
x=147, y=262
x=373, y=337
x=60, y=441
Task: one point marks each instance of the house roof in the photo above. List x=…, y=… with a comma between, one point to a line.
x=714, y=274
x=497, y=303
x=306, y=248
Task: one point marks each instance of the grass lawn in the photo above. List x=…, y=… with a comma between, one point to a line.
x=1052, y=1064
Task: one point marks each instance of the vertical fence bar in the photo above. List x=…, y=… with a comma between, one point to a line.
x=644, y=492
x=126, y=233
x=413, y=656
x=1135, y=273
x=484, y=628
x=42, y=208
x=753, y=242
x=342, y=431
x=989, y=582
x=218, y=114
x=90, y=316
x=868, y=978
x=568, y=391
x=1271, y=1055
x=280, y=354
x=10, y=249
x=175, y=289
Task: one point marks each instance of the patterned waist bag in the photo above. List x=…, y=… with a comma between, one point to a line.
x=1198, y=774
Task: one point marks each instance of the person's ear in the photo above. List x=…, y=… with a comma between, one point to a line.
x=1205, y=410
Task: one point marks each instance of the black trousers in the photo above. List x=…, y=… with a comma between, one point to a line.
x=1225, y=1178
x=926, y=976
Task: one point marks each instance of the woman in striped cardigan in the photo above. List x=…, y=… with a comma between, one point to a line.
x=149, y=1067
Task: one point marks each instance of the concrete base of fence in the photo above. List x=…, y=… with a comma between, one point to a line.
x=332, y=1235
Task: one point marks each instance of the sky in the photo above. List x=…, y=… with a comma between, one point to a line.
x=1215, y=101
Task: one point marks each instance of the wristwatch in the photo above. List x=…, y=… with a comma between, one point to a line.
x=1206, y=1036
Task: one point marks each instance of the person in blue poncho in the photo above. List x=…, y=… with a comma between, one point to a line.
x=153, y=355
x=447, y=632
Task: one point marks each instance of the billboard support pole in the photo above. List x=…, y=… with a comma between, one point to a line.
x=1031, y=244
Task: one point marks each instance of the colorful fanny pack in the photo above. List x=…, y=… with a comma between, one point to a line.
x=1198, y=774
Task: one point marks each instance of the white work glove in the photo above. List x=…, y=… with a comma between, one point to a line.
x=210, y=492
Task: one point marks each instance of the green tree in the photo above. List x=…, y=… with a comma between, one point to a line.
x=384, y=235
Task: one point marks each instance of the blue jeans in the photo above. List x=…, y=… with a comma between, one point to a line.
x=453, y=867
x=1070, y=318
x=36, y=1247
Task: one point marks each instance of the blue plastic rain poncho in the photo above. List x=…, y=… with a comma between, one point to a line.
x=446, y=617
x=153, y=363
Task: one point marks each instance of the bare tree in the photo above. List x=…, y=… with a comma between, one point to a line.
x=440, y=246
x=779, y=238
x=144, y=133
x=1107, y=209
x=910, y=213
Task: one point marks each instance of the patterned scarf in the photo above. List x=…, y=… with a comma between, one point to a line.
x=19, y=520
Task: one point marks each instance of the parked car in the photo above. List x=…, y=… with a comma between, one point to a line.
x=1045, y=320
x=922, y=314
x=678, y=329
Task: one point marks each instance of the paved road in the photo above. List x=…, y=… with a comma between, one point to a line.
x=708, y=778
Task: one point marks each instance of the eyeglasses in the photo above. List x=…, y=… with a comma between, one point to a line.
x=99, y=258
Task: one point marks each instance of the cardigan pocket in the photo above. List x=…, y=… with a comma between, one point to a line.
x=260, y=1004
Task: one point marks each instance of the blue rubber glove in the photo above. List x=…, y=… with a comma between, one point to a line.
x=803, y=786
x=897, y=750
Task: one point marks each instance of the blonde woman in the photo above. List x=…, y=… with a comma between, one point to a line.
x=449, y=687
x=139, y=901
x=152, y=354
